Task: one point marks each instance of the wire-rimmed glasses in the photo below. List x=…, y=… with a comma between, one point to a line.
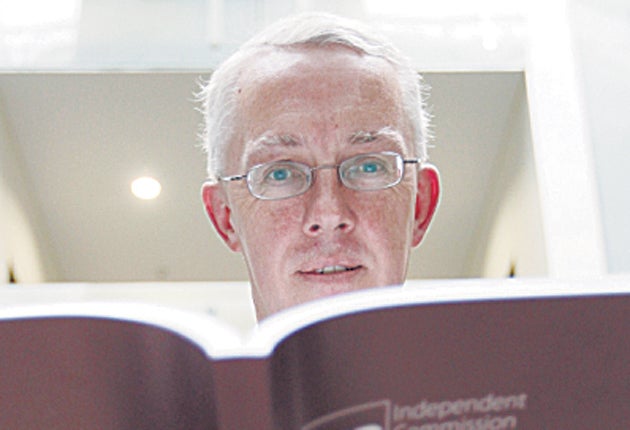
x=284, y=179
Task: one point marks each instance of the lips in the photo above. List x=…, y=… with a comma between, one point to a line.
x=331, y=270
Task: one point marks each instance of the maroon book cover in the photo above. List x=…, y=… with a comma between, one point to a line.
x=388, y=359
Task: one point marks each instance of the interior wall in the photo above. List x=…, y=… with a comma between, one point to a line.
x=602, y=40
x=24, y=254
x=510, y=235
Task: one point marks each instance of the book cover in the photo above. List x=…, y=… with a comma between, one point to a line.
x=388, y=359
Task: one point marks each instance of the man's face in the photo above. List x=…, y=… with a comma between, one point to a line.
x=320, y=106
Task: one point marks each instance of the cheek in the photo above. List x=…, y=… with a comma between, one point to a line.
x=261, y=224
x=388, y=218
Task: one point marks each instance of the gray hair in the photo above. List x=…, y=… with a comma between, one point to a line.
x=218, y=96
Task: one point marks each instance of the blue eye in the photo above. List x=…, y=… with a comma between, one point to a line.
x=370, y=167
x=280, y=174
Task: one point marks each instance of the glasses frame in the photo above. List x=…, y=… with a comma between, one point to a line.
x=311, y=177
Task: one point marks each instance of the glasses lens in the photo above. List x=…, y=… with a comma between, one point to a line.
x=372, y=171
x=278, y=180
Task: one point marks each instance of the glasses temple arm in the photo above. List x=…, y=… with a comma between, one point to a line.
x=231, y=178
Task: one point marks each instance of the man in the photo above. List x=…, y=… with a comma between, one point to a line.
x=316, y=140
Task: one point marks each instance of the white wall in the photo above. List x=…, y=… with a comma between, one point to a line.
x=562, y=147
x=602, y=38
x=22, y=246
x=510, y=235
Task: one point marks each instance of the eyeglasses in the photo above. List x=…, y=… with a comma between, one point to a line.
x=283, y=179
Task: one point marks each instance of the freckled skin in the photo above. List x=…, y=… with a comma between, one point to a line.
x=323, y=95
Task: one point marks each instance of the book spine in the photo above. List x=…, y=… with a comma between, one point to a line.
x=243, y=394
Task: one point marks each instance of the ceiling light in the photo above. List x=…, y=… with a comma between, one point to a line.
x=146, y=188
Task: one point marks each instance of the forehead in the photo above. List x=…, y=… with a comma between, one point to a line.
x=308, y=89
x=274, y=67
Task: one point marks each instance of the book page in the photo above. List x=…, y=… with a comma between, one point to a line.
x=557, y=363
x=69, y=372
x=209, y=333
x=273, y=330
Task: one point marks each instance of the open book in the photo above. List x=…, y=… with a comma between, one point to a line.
x=523, y=355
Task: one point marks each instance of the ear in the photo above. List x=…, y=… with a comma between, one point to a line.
x=218, y=209
x=427, y=199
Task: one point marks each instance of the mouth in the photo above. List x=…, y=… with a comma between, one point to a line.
x=331, y=270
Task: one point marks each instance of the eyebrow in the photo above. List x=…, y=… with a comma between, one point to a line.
x=275, y=140
x=370, y=136
x=271, y=140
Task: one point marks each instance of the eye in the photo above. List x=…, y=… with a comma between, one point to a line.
x=278, y=174
x=370, y=167
x=374, y=171
x=365, y=167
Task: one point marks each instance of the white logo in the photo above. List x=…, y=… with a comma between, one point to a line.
x=368, y=416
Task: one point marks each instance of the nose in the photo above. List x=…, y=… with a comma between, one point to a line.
x=327, y=207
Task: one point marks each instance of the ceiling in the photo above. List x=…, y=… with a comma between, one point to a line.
x=83, y=137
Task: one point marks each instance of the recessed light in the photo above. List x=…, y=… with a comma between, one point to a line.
x=146, y=188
